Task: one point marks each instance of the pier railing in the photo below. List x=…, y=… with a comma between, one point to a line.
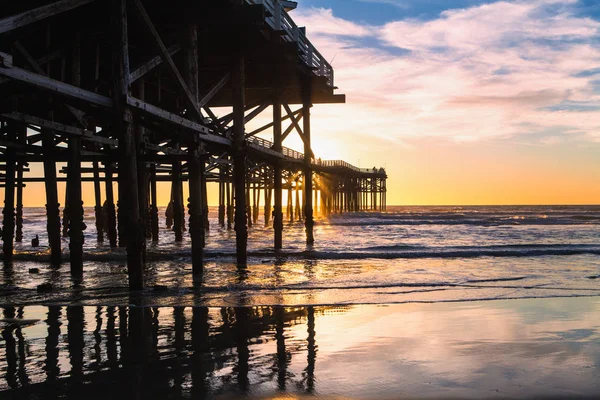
x=296, y=155
x=280, y=20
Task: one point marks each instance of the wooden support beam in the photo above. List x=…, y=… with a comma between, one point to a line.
x=109, y=207
x=74, y=193
x=177, y=199
x=98, y=214
x=8, y=222
x=52, y=205
x=191, y=101
x=139, y=141
x=28, y=17
x=293, y=120
x=196, y=165
x=255, y=112
x=239, y=159
x=214, y=90
x=38, y=69
x=308, y=177
x=206, y=134
x=277, y=172
x=85, y=134
x=154, y=204
x=21, y=137
x=55, y=86
x=151, y=64
x=269, y=125
x=129, y=212
x=291, y=127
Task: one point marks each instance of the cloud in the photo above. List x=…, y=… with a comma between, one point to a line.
x=396, y=3
x=496, y=70
x=322, y=21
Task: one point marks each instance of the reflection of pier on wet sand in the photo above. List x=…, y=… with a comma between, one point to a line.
x=144, y=352
x=129, y=91
x=527, y=348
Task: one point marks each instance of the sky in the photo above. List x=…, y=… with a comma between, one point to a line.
x=464, y=102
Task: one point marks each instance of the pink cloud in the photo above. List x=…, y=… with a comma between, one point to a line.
x=448, y=85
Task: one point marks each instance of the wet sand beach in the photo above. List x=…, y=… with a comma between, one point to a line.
x=527, y=348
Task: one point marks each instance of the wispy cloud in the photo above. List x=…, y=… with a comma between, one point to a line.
x=396, y=3
x=490, y=71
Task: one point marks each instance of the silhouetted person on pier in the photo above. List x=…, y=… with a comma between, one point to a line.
x=35, y=242
x=169, y=214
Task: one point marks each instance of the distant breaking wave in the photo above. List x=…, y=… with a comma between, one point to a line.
x=374, y=252
x=464, y=220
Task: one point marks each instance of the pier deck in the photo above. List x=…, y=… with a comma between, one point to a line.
x=141, y=91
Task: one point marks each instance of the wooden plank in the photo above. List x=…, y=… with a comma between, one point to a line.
x=149, y=109
x=6, y=60
x=164, y=53
x=43, y=123
x=151, y=64
x=78, y=114
x=294, y=122
x=38, y=14
x=55, y=86
x=215, y=89
x=269, y=125
x=255, y=112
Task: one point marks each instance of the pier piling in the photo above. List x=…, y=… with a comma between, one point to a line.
x=135, y=102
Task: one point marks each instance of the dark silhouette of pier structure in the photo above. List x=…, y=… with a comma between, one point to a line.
x=142, y=91
x=128, y=352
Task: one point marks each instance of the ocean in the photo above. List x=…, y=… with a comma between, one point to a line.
x=404, y=255
x=416, y=302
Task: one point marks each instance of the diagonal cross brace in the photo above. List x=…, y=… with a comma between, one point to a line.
x=192, y=102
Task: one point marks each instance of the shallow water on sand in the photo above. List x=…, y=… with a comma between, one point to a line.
x=407, y=254
x=496, y=349
x=323, y=320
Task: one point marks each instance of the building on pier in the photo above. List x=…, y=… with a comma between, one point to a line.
x=127, y=91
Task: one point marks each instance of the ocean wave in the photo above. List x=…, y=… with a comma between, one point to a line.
x=490, y=221
x=397, y=251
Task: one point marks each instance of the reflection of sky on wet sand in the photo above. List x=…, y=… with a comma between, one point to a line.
x=500, y=348
x=505, y=348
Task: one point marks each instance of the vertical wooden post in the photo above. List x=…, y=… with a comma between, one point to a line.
x=76, y=225
x=139, y=139
x=8, y=222
x=65, y=220
x=177, y=200
x=308, y=183
x=21, y=138
x=195, y=166
x=98, y=203
x=268, y=199
x=316, y=208
x=222, y=184
x=239, y=158
x=205, y=220
x=75, y=209
x=128, y=177
x=290, y=205
x=52, y=205
x=228, y=196
x=255, y=201
x=277, y=171
x=298, y=205
x=154, y=206
x=109, y=211
x=197, y=182
x=248, y=205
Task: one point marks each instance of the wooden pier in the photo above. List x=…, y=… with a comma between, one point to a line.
x=142, y=91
